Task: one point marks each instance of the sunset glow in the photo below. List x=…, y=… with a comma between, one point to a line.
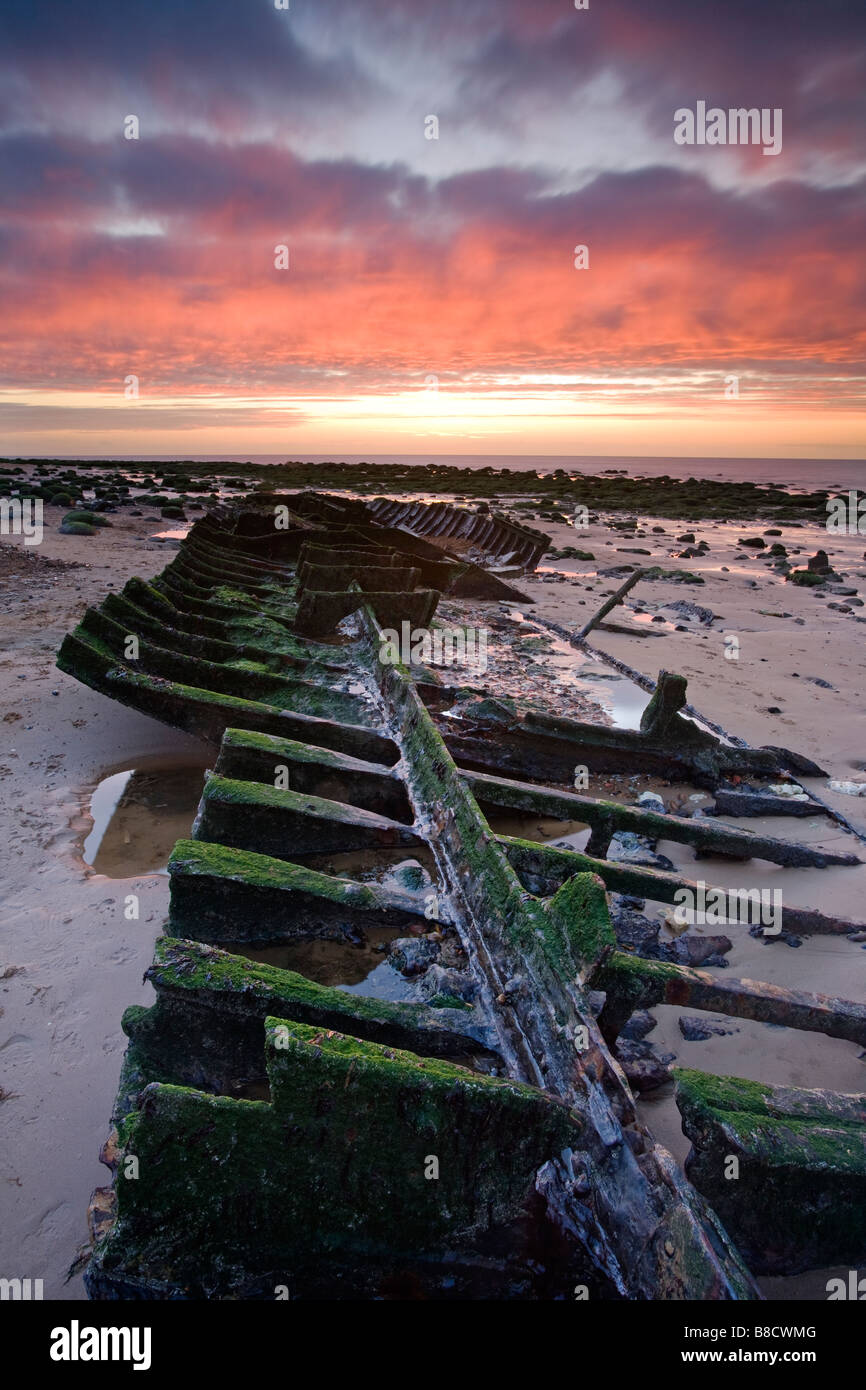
x=431, y=300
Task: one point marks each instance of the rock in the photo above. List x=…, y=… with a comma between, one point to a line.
x=792, y=790
x=628, y=848
x=697, y=950
x=640, y=1023
x=437, y=980
x=645, y=1068
x=754, y=542
x=848, y=788
x=410, y=876
x=698, y=1028
x=636, y=933
x=819, y=563
x=687, y=609
x=411, y=955
x=804, y=578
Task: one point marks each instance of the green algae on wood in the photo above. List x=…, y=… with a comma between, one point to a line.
x=797, y=1198
x=370, y=1126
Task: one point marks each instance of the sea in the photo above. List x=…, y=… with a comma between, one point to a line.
x=800, y=473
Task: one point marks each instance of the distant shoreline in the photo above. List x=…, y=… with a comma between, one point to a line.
x=796, y=473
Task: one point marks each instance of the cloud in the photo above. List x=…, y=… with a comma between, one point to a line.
x=262, y=127
x=412, y=274
x=223, y=62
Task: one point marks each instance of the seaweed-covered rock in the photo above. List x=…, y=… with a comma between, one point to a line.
x=90, y=518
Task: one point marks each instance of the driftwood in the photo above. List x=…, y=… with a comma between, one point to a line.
x=612, y=602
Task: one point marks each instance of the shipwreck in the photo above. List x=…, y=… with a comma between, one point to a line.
x=480, y=1140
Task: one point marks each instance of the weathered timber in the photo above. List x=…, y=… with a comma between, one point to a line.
x=206, y=1027
x=372, y=578
x=610, y=816
x=226, y=895
x=612, y=602
x=183, y=1221
x=632, y=982
x=668, y=698
x=319, y=613
x=544, y=868
x=286, y=824
x=799, y=1199
x=733, y=801
x=634, y=1214
x=768, y=759
x=623, y=1216
x=548, y=746
x=251, y=757
x=206, y=713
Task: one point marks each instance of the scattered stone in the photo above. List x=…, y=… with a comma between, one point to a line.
x=626, y=847
x=698, y=1028
x=687, y=609
x=639, y=1025
x=848, y=788
x=819, y=563
x=690, y=949
x=411, y=955
x=645, y=1068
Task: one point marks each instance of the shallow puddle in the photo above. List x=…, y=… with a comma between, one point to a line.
x=357, y=969
x=138, y=814
x=621, y=700
x=546, y=830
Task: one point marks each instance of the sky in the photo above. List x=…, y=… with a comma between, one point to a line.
x=351, y=225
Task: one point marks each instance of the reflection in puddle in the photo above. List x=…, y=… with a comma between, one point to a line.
x=137, y=817
x=619, y=697
x=545, y=830
x=357, y=969
x=621, y=700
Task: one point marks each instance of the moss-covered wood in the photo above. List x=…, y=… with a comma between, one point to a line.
x=795, y=1198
